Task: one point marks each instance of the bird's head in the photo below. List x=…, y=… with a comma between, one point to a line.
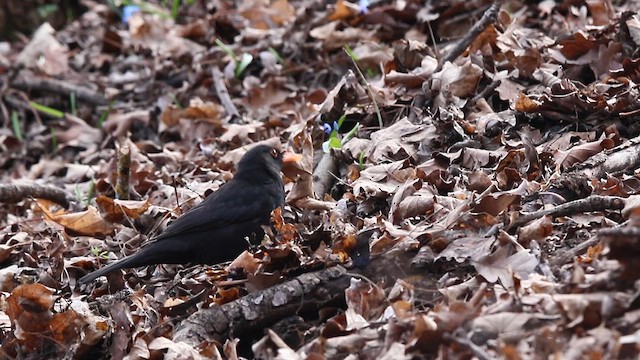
x=264, y=161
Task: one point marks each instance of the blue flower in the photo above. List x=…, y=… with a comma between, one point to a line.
x=329, y=129
x=128, y=11
x=363, y=5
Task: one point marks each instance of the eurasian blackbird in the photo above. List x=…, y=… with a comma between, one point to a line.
x=215, y=230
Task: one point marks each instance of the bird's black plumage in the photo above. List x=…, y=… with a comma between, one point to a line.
x=215, y=230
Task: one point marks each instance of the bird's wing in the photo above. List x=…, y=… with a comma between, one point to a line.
x=234, y=203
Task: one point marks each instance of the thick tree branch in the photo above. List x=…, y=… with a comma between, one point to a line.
x=13, y=193
x=307, y=292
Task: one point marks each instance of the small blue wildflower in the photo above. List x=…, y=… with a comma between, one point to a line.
x=363, y=5
x=327, y=128
x=128, y=11
x=335, y=126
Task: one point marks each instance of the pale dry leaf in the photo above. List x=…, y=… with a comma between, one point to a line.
x=397, y=141
x=454, y=82
x=139, y=351
x=509, y=326
x=246, y=262
x=240, y=132
x=45, y=52
x=175, y=351
x=334, y=38
x=404, y=191
x=502, y=266
x=633, y=23
x=118, y=124
x=497, y=202
x=79, y=134
x=467, y=248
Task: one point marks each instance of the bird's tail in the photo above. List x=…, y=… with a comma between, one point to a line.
x=128, y=262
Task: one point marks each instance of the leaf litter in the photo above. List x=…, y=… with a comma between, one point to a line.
x=492, y=214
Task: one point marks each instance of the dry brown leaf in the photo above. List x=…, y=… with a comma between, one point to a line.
x=365, y=299
x=245, y=261
x=580, y=153
x=240, y=133
x=286, y=232
x=333, y=38
x=116, y=210
x=536, y=230
x=29, y=309
x=197, y=110
x=119, y=124
x=341, y=11
x=88, y=222
x=224, y=296
x=526, y=104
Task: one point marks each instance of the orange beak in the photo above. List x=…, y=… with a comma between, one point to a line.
x=291, y=158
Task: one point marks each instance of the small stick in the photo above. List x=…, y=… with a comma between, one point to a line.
x=124, y=170
x=488, y=18
x=223, y=93
x=588, y=204
x=484, y=93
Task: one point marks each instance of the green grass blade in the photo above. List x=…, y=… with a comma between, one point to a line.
x=47, y=110
x=15, y=122
x=74, y=104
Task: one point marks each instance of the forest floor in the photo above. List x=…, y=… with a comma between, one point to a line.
x=468, y=189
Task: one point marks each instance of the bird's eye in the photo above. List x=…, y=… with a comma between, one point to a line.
x=274, y=153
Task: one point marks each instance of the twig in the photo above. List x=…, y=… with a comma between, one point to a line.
x=621, y=232
x=484, y=93
x=175, y=192
x=475, y=349
x=322, y=179
x=589, y=204
x=124, y=170
x=24, y=105
x=13, y=193
x=570, y=254
x=5, y=114
x=488, y=18
x=223, y=93
x=60, y=87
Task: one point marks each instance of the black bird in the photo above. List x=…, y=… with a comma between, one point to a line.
x=214, y=231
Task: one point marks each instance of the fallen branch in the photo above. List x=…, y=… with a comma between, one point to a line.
x=223, y=93
x=624, y=158
x=589, y=204
x=252, y=313
x=568, y=256
x=59, y=87
x=13, y=193
x=575, y=182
